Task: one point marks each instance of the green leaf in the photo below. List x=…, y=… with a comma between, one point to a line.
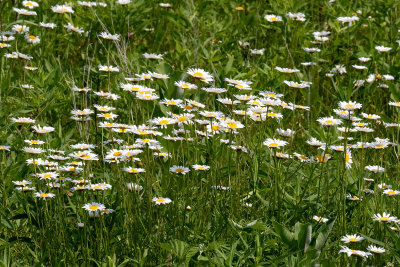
x=300, y=233
x=286, y=236
x=323, y=235
x=181, y=250
x=257, y=225
x=228, y=66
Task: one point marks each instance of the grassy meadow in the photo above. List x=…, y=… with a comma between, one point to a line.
x=199, y=133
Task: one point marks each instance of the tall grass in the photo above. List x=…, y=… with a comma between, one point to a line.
x=252, y=207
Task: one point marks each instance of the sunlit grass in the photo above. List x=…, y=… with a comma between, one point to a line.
x=199, y=133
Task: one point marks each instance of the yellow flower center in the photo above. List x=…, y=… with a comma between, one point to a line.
x=107, y=115
x=47, y=175
x=329, y=121
x=353, y=239
x=347, y=157
x=179, y=170
x=239, y=8
x=232, y=125
x=160, y=200
x=163, y=122
x=198, y=74
x=384, y=218
x=201, y=167
x=182, y=119
x=44, y=195
x=185, y=85
x=391, y=192
x=273, y=145
x=117, y=154
x=32, y=37
x=3, y=45
x=93, y=207
x=349, y=106
x=215, y=127
x=271, y=114
x=273, y=18
x=85, y=157
x=29, y=4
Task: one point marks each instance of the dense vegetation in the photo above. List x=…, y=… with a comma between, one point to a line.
x=199, y=133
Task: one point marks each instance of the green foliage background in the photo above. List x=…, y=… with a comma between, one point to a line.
x=218, y=231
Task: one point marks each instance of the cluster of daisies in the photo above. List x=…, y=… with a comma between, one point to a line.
x=258, y=108
x=27, y=10
x=54, y=165
x=323, y=37
x=346, y=123
x=355, y=238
